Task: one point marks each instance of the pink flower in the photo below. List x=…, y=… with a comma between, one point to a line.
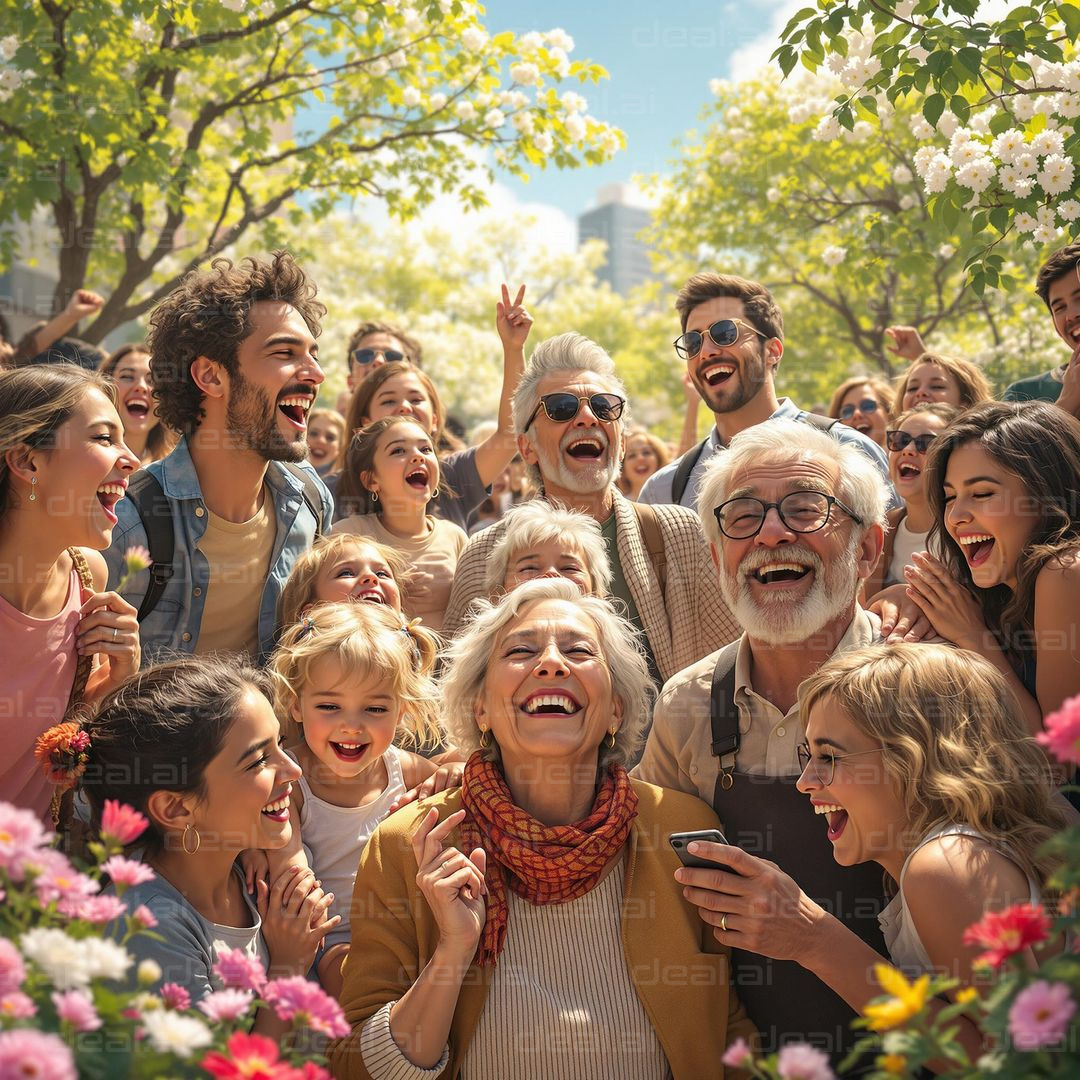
x=1005, y=933
x=309, y=1071
x=144, y=917
x=77, y=1009
x=1040, y=1015
x=250, y=1056
x=12, y=968
x=99, y=909
x=799, y=1061
x=122, y=823
x=21, y=834
x=59, y=880
x=1062, y=734
x=124, y=872
x=28, y=1053
x=737, y=1054
x=226, y=1005
x=235, y=968
x=17, y=1006
x=307, y=1003
x=175, y=997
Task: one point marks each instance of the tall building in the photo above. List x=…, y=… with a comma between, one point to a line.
x=617, y=222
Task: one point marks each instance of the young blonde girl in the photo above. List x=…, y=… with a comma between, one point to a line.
x=354, y=684
x=394, y=461
x=343, y=567
x=918, y=758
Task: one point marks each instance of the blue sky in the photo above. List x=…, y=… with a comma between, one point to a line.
x=660, y=56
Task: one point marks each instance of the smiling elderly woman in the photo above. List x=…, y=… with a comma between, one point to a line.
x=526, y=925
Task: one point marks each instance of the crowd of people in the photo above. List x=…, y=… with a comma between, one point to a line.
x=416, y=719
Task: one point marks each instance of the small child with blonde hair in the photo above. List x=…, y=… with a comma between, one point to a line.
x=353, y=684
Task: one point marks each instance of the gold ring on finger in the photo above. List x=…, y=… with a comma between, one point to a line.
x=723, y=922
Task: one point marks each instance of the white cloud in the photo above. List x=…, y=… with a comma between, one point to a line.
x=748, y=60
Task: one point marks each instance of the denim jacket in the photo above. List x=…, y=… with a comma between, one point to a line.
x=173, y=625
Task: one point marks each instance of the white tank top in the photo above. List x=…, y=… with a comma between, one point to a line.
x=906, y=949
x=334, y=836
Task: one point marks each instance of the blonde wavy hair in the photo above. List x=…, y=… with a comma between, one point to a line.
x=956, y=743
x=365, y=639
x=299, y=591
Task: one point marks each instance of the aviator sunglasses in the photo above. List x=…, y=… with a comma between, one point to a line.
x=899, y=440
x=363, y=357
x=867, y=405
x=564, y=407
x=722, y=333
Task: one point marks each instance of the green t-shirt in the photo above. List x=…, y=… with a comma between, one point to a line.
x=1044, y=387
x=620, y=591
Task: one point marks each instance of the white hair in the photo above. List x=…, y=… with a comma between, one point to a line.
x=469, y=654
x=861, y=486
x=539, y=522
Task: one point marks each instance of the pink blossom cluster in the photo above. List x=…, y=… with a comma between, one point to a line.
x=306, y=1003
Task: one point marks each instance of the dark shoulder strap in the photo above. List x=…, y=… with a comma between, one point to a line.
x=825, y=423
x=85, y=663
x=312, y=495
x=155, y=513
x=654, y=542
x=685, y=468
x=724, y=717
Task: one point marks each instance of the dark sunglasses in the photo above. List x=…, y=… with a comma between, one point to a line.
x=899, y=440
x=363, y=357
x=724, y=332
x=564, y=407
x=867, y=405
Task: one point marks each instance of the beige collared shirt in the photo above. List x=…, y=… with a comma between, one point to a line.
x=679, y=751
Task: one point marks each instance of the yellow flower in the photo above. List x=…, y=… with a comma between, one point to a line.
x=896, y=1064
x=968, y=994
x=904, y=1000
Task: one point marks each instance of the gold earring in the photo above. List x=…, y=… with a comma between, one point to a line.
x=435, y=493
x=184, y=841
x=374, y=496
x=485, y=738
x=33, y=493
x=611, y=738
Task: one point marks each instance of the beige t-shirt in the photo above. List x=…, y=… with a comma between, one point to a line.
x=239, y=557
x=432, y=560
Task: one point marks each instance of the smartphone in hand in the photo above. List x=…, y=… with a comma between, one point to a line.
x=680, y=841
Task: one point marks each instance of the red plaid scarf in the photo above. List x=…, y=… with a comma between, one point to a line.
x=544, y=864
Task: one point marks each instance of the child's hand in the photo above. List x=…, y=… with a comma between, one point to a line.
x=446, y=776
x=256, y=866
x=293, y=912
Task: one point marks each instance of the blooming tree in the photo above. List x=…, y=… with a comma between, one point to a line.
x=154, y=135
x=998, y=110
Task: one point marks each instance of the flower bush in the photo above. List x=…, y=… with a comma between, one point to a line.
x=73, y=1003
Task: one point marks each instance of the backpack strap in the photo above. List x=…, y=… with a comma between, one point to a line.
x=312, y=495
x=685, y=468
x=155, y=513
x=724, y=718
x=654, y=541
x=823, y=423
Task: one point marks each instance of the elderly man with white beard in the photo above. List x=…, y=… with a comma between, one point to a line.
x=570, y=414
x=794, y=520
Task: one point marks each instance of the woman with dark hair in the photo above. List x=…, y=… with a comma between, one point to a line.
x=63, y=469
x=1002, y=482
x=194, y=746
x=144, y=433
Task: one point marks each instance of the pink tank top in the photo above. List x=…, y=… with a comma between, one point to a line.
x=37, y=673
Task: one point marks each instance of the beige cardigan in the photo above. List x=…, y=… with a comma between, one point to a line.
x=681, y=974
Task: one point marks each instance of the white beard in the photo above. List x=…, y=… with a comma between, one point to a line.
x=587, y=480
x=783, y=621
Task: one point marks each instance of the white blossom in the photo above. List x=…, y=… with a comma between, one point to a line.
x=482, y=101
x=171, y=1033
x=1047, y=143
x=561, y=62
x=573, y=103
x=10, y=81
x=773, y=194
x=917, y=53
x=142, y=31
x=234, y=5
x=494, y=118
x=908, y=202
x=530, y=42
x=410, y=97
x=1044, y=234
x=544, y=142
x=860, y=131
x=836, y=62
x=828, y=129
x=921, y=129
x=104, y=959
x=267, y=7
x=1025, y=223
x=799, y=114
x=525, y=74
x=966, y=152
x=901, y=175
x=904, y=8
x=465, y=110
x=1023, y=106
x=57, y=956
x=379, y=67
x=946, y=251
x=474, y=39
x=8, y=45
x=412, y=22
x=833, y=255
x=1015, y=182
x=397, y=59
x=1069, y=209
x=980, y=122
x=1026, y=163
x=718, y=86
x=976, y=174
x=1067, y=106
x=560, y=39
x=923, y=156
x=1045, y=215
x=938, y=173
x=1007, y=145
x=1057, y=174
x=524, y=122
x=728, y=158
x=947, y=123
x=575, y=127
x=610, y=142
x=437, y=102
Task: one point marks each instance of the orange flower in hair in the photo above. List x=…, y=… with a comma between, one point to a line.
x=63, y=751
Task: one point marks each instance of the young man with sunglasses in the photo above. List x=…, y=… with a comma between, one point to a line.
x=570, y=414
x=732, y=342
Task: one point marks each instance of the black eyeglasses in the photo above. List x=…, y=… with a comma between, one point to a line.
x=724, y=332
x=800, y=511
x=363, y=357
x=564, y=407
x=825, y=764
x=899, y=440
x=867, y=405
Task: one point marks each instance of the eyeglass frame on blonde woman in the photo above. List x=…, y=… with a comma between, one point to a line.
x=806, y=759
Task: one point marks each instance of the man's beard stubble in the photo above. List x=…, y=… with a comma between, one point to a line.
x=251, y=423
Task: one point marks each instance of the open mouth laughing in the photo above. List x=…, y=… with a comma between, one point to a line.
x=551, y=703
x=976, y=547
x=350, y=752
x=417, y=479
x=587, y=448
x=715, y=374
x=295, y=408
x=109, y=495
x=138, y=406
x=780, y=573
x=838, y=818
x=278, y=810
x=908, y=470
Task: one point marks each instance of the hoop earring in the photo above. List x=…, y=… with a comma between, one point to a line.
x=435, y=493
x=611, y=739
x=184, y=841
x=33, y=493
x=485, y=738
x=374, y=496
